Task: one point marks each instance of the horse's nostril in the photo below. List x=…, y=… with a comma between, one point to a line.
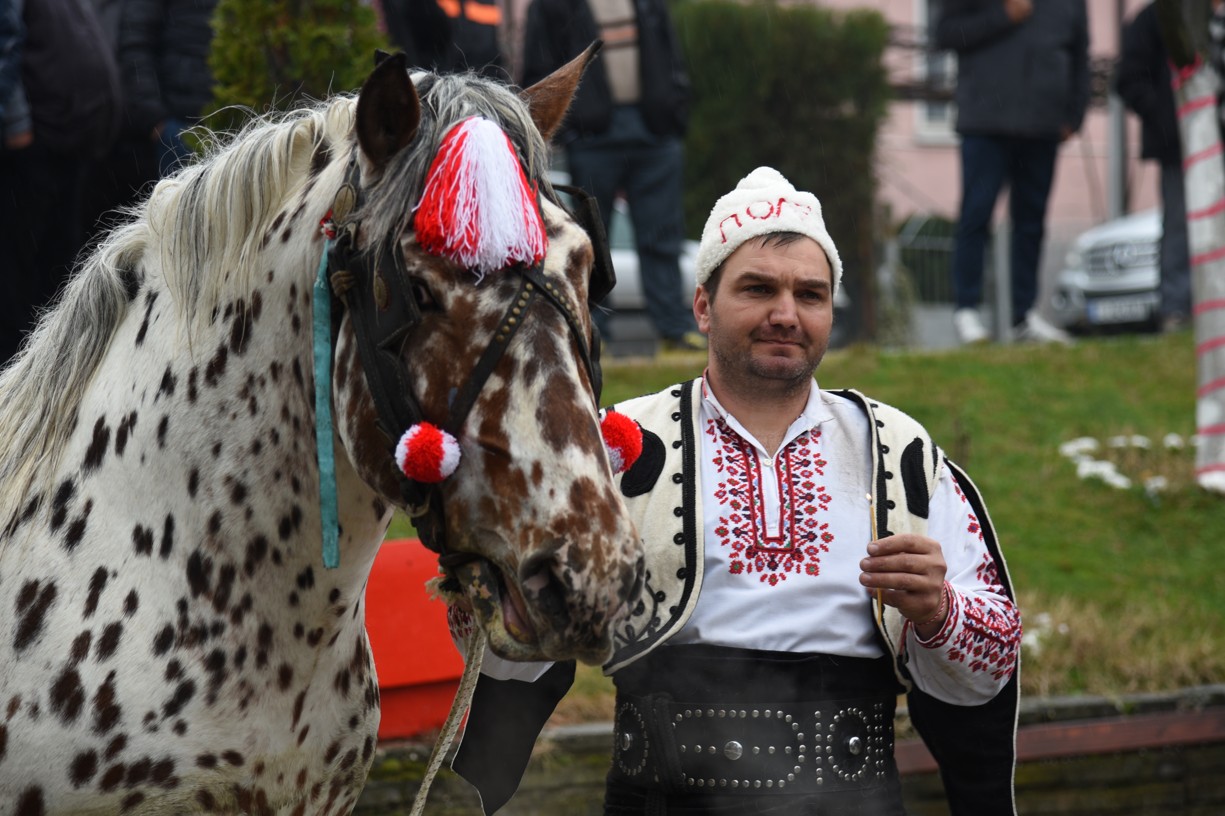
x=538, y=578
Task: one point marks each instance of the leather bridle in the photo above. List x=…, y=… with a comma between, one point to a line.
x=374, y=287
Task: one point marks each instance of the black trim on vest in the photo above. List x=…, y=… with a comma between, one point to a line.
x=914, y=479
x=689, y=491
x=645, y=472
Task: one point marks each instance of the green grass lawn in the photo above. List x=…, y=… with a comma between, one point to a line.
x=1121, y=590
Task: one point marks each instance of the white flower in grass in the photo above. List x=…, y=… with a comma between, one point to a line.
x=1141, y=442
x=1156, y=484
x=1173, y=441
x=1076, y=448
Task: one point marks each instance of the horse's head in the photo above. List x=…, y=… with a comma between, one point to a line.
x=531, y=527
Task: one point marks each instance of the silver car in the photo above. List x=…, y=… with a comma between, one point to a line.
x=1111, y=277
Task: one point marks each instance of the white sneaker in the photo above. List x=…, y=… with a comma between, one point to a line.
x=969, y=326
x=1036, y=330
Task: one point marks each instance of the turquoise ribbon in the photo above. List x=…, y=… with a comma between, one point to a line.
x=322, y=314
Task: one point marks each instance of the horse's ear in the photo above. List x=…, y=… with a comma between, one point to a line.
x=549, y=98
x=388, y=110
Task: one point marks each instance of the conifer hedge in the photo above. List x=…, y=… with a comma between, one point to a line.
x=800, y=88
x=273, y=54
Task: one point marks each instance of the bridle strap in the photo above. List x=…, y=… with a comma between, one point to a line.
x=466, y=398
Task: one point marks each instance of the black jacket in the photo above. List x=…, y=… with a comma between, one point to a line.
x=1142, y=79
x=163, y=54
x=559, y=30
x=1029, y=79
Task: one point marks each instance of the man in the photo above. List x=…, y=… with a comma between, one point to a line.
x=1143, y=81
x=448, y=36
x=63, y=107
x=163, y=49
x=1022, y=89
x=810, y=554
x=624, y=133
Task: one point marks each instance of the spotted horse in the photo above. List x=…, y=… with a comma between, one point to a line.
x=170, y=641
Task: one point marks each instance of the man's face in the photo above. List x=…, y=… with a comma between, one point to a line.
x=770, y=318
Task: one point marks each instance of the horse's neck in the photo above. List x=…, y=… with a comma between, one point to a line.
x=201, y=455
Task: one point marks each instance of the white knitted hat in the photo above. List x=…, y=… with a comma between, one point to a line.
x=763, y=202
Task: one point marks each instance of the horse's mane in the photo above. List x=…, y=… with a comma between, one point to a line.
x=206, y=224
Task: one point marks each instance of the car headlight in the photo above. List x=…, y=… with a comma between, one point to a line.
x=1075, y=259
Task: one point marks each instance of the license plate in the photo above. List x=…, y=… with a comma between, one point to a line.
x=1123, y=309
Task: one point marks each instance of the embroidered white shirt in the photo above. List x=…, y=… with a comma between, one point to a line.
x=784, y=536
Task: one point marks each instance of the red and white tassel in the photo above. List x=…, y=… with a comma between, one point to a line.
x=623, y=439
x=426, y=453
x=478, y=208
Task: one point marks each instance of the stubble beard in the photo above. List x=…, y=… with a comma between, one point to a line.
x=755, y=377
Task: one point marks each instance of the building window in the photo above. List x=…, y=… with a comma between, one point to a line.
x=938, y=71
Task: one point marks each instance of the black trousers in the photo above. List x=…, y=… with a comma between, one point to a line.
x=40, y=233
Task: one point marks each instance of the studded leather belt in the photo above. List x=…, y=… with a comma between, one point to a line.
x=792, y=747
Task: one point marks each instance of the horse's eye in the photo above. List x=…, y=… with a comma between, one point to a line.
x=423, y=295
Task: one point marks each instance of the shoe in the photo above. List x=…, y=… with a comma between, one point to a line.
x=1174, y=323
x=689, y=341
x=969, y=327
x=1033, y=329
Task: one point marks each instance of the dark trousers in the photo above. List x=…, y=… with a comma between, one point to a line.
x=1175, y=249
x=649, y=170
x=988, y=163
x=40, y=231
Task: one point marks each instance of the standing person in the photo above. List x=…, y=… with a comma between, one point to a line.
x=1022, y=89
x=624, y=133
x=62, y=108
x=1143, y=81
x=162, y=47
x=447, y=36
x=809, y=554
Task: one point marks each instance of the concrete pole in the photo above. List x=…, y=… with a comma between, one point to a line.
x=1196, y=84
x=1119, y=195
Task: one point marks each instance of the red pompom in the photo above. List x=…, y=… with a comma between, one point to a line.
x=623, y=438
x=426, y=453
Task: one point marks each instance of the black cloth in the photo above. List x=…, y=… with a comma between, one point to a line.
x=1142, y=80
x=163, y=55
x=39, y=193
x=675, y=679
x=434, y=41
x=559, y=30
x=70, y=77
x=503, y=721
x=1029, y=79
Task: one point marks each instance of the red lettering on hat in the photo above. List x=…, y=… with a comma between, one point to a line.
x=733, y=217
x=770, y=212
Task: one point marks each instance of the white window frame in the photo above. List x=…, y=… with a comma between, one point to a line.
x=934, y=122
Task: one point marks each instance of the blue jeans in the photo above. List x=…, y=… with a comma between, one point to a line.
x=649, y=170
x=1027, y=166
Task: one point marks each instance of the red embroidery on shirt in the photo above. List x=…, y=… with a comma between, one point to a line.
x=973, y=527
x=742, y=530
x=990, y=637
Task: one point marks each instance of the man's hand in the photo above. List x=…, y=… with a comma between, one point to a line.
x=909, y=572
x=1018, y=10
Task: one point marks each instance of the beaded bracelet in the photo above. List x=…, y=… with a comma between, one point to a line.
x=940, y=610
